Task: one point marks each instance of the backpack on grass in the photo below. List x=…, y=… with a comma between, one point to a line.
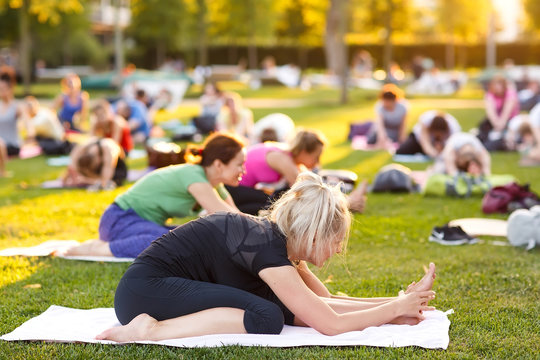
x=463, y=185
x=503, y=199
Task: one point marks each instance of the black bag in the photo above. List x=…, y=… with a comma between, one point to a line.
x=54, y=147
x=205, y=124
x=120, y=172
x=394, y=178
x=164, y=154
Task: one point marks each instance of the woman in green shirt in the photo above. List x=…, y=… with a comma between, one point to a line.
x=137, y=217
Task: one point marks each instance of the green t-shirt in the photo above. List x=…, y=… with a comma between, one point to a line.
x=163, y=193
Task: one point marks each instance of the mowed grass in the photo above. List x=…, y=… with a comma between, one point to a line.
x=494, y=290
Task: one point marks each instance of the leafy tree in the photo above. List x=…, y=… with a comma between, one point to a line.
x=532, y=10
x=158, y=25
x=302, y=24
x=461, y=20
x=388, y=16
x=45, y=11
x=251, y=22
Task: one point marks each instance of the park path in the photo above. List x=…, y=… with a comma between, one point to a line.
x=268, y=103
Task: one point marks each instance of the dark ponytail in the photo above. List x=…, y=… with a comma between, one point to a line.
x=218, y=146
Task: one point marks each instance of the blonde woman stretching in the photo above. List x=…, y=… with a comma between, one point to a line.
x=235, y=273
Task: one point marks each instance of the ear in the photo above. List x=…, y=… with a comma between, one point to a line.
x=218, y=164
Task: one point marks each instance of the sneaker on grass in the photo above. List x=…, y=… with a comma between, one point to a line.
x=448, y=235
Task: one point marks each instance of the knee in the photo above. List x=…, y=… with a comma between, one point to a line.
x=264, y=318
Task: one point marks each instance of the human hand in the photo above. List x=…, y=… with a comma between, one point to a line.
x=414, y=304
x=358, y=198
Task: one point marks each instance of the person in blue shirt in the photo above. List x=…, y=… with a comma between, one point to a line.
x=136, y=115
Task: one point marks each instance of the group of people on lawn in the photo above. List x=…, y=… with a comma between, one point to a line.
x=241, y=265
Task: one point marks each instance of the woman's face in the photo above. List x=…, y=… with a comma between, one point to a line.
x=334, y=247
x=388, y=104
x=5, y=89
x=310, y=160
x=232, y=172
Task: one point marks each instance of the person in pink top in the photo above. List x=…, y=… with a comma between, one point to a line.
x=501, y=103
x=271, y=168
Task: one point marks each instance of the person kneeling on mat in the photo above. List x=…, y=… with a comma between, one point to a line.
x=230, y=273
x=430, y=134
x=272, y=167
x=138, y=216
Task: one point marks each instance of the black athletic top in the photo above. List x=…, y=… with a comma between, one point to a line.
x=222, y=248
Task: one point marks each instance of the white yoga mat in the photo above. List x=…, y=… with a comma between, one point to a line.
x=62, y=324
x=482, y=227
x=48, y=247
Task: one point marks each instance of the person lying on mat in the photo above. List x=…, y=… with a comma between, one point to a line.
x=230, y=273
x=430, y=134
x=98, y=164
x=464, y=152
x=273, y=167
x=138, y=216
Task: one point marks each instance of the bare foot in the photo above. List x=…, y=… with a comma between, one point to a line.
x=137, y=329
x=90, y=248
x=426, y=283
x=405, y=320
x=357, y=198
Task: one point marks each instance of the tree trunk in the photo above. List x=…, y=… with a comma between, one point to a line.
x=202, y=25
x=491, y=47
x=334, y=44
x=161, y=51
x=252, y=46
x=302, y=57
x=118, y=42
x=24, y=29
x=450, y=53
x=387, y=54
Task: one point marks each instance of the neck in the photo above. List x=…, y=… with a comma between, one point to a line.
x=211, y=175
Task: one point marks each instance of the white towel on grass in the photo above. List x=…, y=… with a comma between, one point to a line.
x=63, y=324
x=48, y=247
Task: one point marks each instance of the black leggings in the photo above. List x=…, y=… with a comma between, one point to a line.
x=410, y=146
x=142, y=290
x=249, y=200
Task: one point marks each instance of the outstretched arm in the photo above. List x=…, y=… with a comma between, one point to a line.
x=283, y=164
x=207, y=197
x=311, y=310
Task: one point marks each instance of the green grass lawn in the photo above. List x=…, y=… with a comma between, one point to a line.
x=494, y=290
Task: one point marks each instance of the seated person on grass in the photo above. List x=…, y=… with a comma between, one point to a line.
x=234, y=274
x=524, y=136
x=463, y=152
x=72, y=104
x=11, y=113
x=390, y=118
x=136, y=114
x=430, y=134
x=137, y=217
x=234, y=117
x=273, y=167
x=97, y=164
x=107, y=124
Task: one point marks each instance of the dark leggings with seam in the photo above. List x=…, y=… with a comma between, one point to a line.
x=249, y=200
x=143, y=290
x=410, y=146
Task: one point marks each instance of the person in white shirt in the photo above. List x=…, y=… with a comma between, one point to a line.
x=430, y=134
x=463, y=152
x=279, y=125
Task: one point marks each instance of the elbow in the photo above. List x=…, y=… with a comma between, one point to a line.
x=331, y=328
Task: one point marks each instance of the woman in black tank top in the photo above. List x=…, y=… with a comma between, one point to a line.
x=236, y=273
